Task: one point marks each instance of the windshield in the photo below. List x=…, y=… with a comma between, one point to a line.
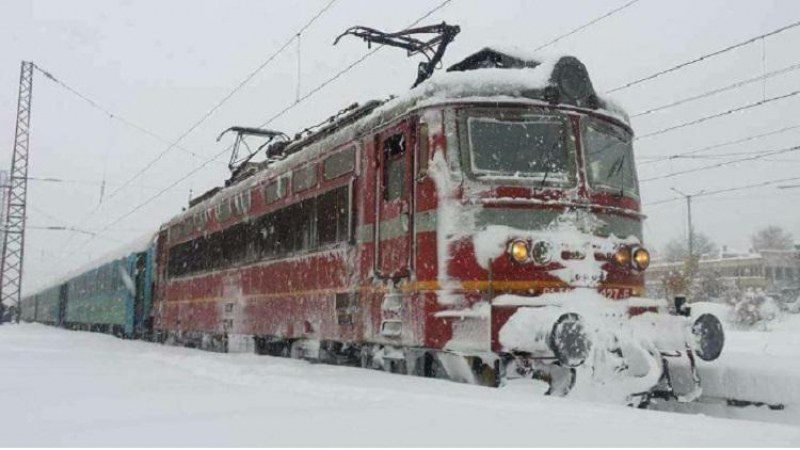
x=520, y=145
x=609, y=158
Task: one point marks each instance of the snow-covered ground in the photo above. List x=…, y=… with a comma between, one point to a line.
x=83, y=389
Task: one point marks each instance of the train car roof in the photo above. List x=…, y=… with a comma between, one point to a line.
x=138, y=245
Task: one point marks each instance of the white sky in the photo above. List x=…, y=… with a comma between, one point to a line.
x=162, y=65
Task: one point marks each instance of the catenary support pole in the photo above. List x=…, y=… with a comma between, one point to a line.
x=14, y=225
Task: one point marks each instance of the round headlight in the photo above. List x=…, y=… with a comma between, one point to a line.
x=641, y=258
x=569, y=340
x=541, y=253
x=623, y=256
x=519, y=251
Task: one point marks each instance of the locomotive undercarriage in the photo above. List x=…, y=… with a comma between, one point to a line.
x=650, y=356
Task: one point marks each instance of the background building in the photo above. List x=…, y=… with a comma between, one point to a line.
x=777, y=272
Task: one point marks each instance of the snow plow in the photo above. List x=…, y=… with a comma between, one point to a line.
x=580, y=336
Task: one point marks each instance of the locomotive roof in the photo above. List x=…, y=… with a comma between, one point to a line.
x=490, y=75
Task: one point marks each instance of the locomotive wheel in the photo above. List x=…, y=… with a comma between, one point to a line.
x=432, y=367
x=485, y=374
x=560, y=379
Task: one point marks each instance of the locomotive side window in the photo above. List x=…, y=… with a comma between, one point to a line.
x=304, y=178
x=303, y=226
x=394, y=169
x=223, y=210
x=241, y=203
x=332, y=208
x=339, y=164
x=422, y=138
x=276, y=190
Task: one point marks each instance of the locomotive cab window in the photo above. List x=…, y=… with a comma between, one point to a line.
x=394, y=168
x=521, y=145
x=609, y=158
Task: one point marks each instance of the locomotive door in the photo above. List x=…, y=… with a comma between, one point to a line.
x=393, y=227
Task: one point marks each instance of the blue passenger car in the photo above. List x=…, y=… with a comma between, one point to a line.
x=114, y=297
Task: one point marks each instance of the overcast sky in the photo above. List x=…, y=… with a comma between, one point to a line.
x=162, y=65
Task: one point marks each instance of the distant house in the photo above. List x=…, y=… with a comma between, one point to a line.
x=775, y=271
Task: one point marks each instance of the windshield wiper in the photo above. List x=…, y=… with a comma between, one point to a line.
x=546, y=166
x=619, y=166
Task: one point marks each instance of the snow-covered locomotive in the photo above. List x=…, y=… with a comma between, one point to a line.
x=484, y=226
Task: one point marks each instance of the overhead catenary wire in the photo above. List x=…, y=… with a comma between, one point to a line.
x=80, y=182
x=111, y=115
x=209, y=113
x=723, y=164
x=225, y=99
x=724, y=190
x=226, y=149
x=720, y=145
x=704, y=57
x=717, y=115
x=586, y=25
x=720, y=90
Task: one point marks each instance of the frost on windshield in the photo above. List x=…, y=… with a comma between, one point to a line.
x=609, y=154
x=520, y=146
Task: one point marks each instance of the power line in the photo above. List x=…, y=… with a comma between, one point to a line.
x=224, y=99
x=106, y=111
x=80, y=182
x=60, y=228
x=723, y=164
x=586, y=25
x=718, y=115
x=208, y=114
x=723, y=156
x=279, y=114
x=344, y=71
x=723, y=144
x=705, y=57
x=720, y=191
x=720, y=90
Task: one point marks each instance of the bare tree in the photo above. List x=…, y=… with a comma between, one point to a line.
x=772, y=238
x=677, y=249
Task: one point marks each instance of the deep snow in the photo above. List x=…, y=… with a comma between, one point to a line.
x=83, y=389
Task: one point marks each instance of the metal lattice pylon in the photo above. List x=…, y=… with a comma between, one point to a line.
x=3, y=207
x=14, y=225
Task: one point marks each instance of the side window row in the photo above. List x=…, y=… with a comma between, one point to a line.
x=334, y=166
x=303, y=226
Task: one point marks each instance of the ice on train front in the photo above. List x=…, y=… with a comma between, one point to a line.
x=541, y=260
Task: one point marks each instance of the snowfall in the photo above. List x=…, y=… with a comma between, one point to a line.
x=66, y=388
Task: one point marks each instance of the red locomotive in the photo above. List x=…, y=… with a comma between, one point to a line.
x=485, y=226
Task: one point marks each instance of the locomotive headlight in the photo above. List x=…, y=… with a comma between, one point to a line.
x=709, y=337
x=519, y=251
x=541, y=252
x=641, y=258
x=623, y=256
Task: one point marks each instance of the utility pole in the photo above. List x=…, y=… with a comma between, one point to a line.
x=14, y=224
x=688, y=197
